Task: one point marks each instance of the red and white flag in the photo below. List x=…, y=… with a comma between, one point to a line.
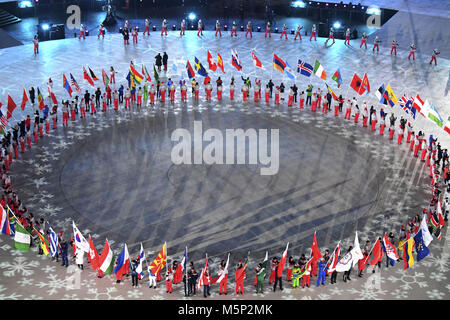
x=332, y=262
x=51, y=94
x=93, y=256
x=418, y=104
x=391, y=250
x=200, y=279
x=257, y=62
x=211, y=63
x=282, y=262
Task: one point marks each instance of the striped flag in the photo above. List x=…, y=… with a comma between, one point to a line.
x=87, y=77
x=220, y=62
x=93, y=76
x=43, y=242
x=337, y=77
x=140, y=260
x=3, y=120
x=137, y=76
x=40, y=100
x=278, y=64
x=21, y=238
x=200, y=281
x=282, y=262
x=4, y=222
x=67, y=86
x=105, y=78
x=319, y=71
x=257, y=62
x=53, y=243
x=146, y=74
x=106, y=261
x=433, y=115
x=235, y=60
x=418, y=104
x=75, y=84
x=332, y=262
x=408, y=253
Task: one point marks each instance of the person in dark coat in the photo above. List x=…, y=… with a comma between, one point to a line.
x=158, y=61
x=165, y=58
x=126, y=35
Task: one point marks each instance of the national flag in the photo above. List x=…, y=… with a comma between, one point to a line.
x=12, y=222
x=304, y=68
x=51, y=94
x=80, y=241
x=289, y=71
x=335, y=97
x=439, y=212
x=40, y=100
x=155, y=74
x=106, y=261
x=408, y=253
x=220, y=62
x=319, y=71
x=75, y=84
x=137, y=76
x=282, y=262
x=235, y=60
x=105, y=78
x=130, y=79
x=21, y=238
x=434, y=221
x=356, y=84
x=93, y=256
x=199, y=68
x=375, y=255
x=160, y=261
x=418, y=104
x=140, y=261
x=447, y=126
x=315, y=251
x=189, y=70
x=3, y=121
x=123, y=262
x=146, y=74
x=433, y=115
x=421, y=248
x=306, y=268
x=225, y=270
x=54, y=242
x=200, y=279
x=337, y=77
x=211, y=64
x=67, y=86
x=11, y=107
x=390, y=249
x=184, y=260
x=332, y=262
x=390, y=96
x=256, y=62
x=278, y=64
x=427, y=237
x=93, y=76
x=87, y=77
x=261, y=275
x=379, y=94
x=4, y=222
x=365, y=86
x=24, y=100
x=43, y=242
x=351, y=258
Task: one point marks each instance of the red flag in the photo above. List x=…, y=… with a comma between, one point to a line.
x=357, y=84
x=375, y=255
x=212, y=64
x=316, y=255
x=200, y=281
x=256, y=61
x=24, y=100
x=93, y=255
x=86, y=76
x=11, y=107
x=282, y=262
x=365, y=85
x=207, y=80
x=52, y=95
x=160, y=261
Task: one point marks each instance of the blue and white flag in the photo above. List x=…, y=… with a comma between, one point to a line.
x=289, y=71
x=184, y=261
x=53, y=243
x=140, y=259
x=304, y=68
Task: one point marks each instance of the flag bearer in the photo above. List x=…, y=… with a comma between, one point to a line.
x=376, y=44
x=218, y=28
x=313, y=33
x=364, y=40
x=223, y=282
x=299, y=28
x=394, y=46
x=284, y=32
x=169, y=279
x=433, y=56
x=322, y=272
x=267, y=30
x=249, y=29
x=347, y=36
x=412, y=51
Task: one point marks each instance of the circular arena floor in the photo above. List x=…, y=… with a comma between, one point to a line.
x=112, y=173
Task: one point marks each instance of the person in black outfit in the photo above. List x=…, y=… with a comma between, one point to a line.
x=22, y=128
x=87, y=98
x=126, y=35
x=32, y=95
x=192, y=280
x=341, y=103
x=282, y=91
x=36, y=118
x=277, y=279
x=158, y=61
x=164, y=59
x=270, y=84
x=295, y=89
x=98, y=94
x=15, y=132
x=134, y=275
x=219, y=82
x=329, y=100
x=439, y=153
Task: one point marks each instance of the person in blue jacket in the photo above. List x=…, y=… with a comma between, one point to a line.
x=322, y=272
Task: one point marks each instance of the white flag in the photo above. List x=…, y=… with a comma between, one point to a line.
x=427, y=237
x=80, y=240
